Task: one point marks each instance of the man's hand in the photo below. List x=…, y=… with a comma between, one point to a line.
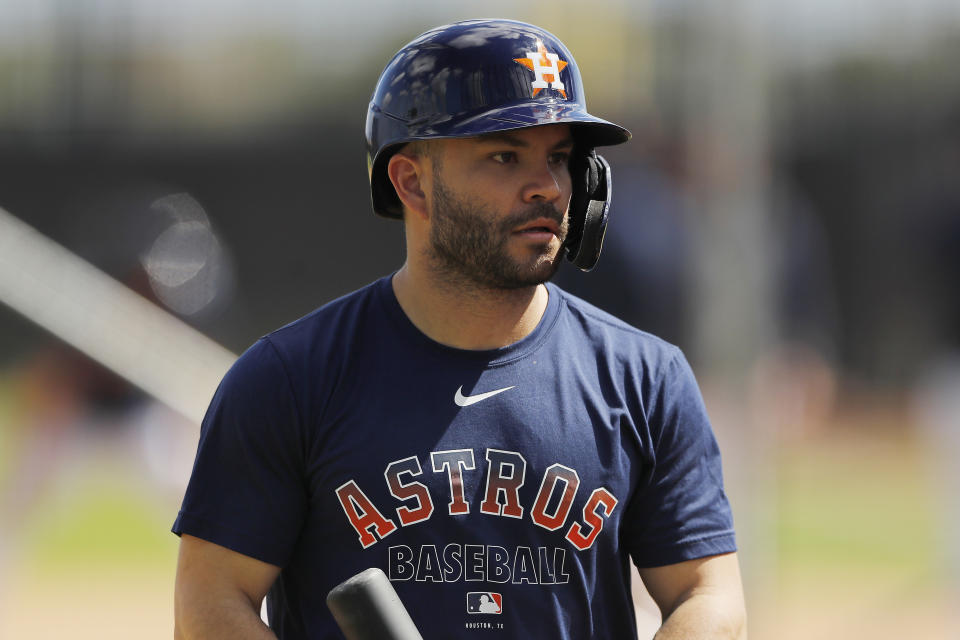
x=700, y=598
x=218, y=593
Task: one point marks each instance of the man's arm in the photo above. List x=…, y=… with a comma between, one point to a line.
x=218, y=593
x=699, y=599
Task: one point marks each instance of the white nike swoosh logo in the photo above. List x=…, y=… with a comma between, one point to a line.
x=466, y=401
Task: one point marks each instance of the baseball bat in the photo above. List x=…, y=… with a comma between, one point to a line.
x=366, y=607
x=101, y=317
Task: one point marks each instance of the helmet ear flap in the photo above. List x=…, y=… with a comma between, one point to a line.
x=589, y=208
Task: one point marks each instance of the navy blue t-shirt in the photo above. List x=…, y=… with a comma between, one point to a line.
x=504, y=492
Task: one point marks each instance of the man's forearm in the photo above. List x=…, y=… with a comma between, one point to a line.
x=218, y=593
x=705, y=617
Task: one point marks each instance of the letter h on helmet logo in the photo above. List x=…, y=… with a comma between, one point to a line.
x=546, y=68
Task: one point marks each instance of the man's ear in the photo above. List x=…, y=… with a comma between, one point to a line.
x=407, y=173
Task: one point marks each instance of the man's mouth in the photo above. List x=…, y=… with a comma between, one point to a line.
x=539, y=226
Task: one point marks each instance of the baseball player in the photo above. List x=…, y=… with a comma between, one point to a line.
x=500, y=449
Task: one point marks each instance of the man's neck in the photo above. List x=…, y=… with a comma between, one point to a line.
x=468, y=317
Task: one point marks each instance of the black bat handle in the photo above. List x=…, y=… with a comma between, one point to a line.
x=367, y=608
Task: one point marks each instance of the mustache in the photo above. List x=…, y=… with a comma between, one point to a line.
x=535, y=211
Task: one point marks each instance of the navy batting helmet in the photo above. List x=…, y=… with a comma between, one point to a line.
x=480, y=76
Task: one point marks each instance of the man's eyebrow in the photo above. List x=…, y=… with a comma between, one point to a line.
x=502, y=137
x=505, y=137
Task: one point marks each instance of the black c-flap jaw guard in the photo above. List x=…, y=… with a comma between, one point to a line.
x=589, y=209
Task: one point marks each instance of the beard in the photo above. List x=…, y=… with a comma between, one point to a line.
x=468, y=243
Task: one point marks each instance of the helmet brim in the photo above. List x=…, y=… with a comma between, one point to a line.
x=590, y=130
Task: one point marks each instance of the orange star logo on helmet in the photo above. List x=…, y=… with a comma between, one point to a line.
x=546, y=68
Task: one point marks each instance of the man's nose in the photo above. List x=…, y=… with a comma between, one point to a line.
x=543, y=184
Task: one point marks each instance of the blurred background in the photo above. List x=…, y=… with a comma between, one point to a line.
x=788, y=212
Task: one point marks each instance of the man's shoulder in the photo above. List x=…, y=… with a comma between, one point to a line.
x=327, y=320
x=597, y=322
x=322, y=339
x=298, y=356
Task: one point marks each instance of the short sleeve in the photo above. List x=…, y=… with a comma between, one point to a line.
x=246, y=491
x=681, y=512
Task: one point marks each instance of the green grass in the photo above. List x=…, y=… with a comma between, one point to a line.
x=100, y=514
x=856, y=507
x=106, y=521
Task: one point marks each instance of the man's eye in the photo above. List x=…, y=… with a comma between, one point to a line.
x=560, y=157
x=505, y=157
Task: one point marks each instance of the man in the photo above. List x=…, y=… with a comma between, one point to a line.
x=500, y=449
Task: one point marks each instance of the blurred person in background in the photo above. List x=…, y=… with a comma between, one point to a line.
x=69, y=419
x=936, y=392
x=69, y=415
x=501, y=449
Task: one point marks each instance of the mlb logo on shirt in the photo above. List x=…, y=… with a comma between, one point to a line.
x=484, y=602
